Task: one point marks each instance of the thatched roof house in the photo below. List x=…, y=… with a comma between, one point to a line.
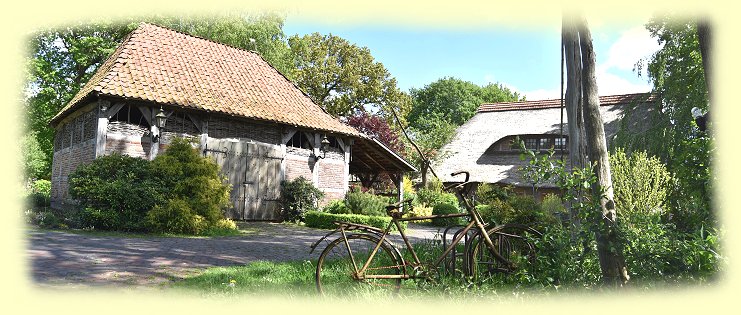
x=483, y=147
x=259, y=126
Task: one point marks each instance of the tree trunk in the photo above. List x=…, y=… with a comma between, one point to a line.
x=705, y=38
x=573, y=100
x=573, y=104
x=609, y=248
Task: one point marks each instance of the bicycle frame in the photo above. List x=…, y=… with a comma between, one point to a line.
x=475, y=221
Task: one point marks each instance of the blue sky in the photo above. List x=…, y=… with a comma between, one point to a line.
x=525, y=60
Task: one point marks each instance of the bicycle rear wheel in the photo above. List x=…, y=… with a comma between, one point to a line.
x=336, y=270
x=513, y=242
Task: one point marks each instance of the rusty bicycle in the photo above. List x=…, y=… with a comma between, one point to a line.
x=364, y=257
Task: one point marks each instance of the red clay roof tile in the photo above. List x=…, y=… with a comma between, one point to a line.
x=161, y=65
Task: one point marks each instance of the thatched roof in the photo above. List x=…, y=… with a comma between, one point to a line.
x=467, y=150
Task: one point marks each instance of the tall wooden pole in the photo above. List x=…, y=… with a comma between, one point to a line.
x=609, y=248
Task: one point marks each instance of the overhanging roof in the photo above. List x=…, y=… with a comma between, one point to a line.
x=371, y=156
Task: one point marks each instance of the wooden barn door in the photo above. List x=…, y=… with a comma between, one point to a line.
x=253, y=171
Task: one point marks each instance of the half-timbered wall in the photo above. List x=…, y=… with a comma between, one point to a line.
x=74, y=144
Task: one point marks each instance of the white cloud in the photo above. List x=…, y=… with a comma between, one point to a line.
x=633, y=45
x=610, y=84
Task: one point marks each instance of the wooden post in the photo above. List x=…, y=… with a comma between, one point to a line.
x=400, y=190
x=100, y=137
x=317, y=145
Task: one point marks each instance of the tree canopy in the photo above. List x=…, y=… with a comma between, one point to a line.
x=676, y=71
x=344, y=78
x=454, y=101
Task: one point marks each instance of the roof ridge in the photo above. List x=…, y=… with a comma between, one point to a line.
x=552, y=103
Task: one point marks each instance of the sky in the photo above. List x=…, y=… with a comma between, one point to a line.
x=524, y=60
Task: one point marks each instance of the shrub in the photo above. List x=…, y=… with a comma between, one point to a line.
x=297, y=197
x=323, y=220
x=365, y=203
x=115, y=192
x=175, y=216
x=640, y=184
x=419, y=211
x=486, y=193
x=431, y=198
x=45, y=219
x=336, y=207
x=192, y=178
x=552, y=206
x=39, y=193
x=445, y=208
x=496, y=212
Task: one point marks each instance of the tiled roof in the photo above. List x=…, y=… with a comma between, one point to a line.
x=603, y=101
x=161, y=65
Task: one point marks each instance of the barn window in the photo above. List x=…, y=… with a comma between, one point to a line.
x=531, y=143
x=300, y=140
x=334, y=144
x=132, y=115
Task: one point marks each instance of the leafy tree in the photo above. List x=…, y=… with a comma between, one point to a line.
x=35, y=164
x=61, y=60
x=374, y=125
x=676, y=71
x=344, y=78
x=453, y=100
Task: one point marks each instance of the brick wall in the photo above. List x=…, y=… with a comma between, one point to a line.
x=74, y=144
x=297, y=166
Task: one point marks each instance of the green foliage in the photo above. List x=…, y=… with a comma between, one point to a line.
x=39, y=193
x=433, y=195
x=35, y=164
x=336, y=207
x=419, y=211
x=323, y=220
x=194, y=179
x=175, y=216
x=446, y=208
x=486, y=193
x=115, y=192
x=640, y=184
x=344, y=78
x=118, y=192
x=297, y=197
x=553, y=205
x=677, y=74
x=45, y=219
x=453, y=100
x=359, y=202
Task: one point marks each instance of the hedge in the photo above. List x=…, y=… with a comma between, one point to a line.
x=323, y=220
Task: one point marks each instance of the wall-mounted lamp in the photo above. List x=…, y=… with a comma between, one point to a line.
x=159, y=120
x=323, y=148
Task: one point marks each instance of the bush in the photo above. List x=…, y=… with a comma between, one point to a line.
x=298, y=197
x=366, y=203
x=192, y=178
x=45, y=219
x=336, y=207
x=431, y=198
x=419, y=211
x=553, y=209
x=444, y=208
x=640, y=184
x=40, y=193
x=323, y=220
x=486, y=193
x=177, y=217
x=115, y=192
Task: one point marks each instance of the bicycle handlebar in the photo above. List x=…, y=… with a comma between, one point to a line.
x=468, y=175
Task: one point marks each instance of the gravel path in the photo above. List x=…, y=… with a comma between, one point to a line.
x=69, y=259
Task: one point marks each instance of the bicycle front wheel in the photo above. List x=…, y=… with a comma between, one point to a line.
x=513, y=242
x=337, y=271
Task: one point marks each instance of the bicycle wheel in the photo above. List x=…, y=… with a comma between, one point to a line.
x=513, y=242
x=336, y=269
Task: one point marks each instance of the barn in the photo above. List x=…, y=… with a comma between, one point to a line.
x=260, y=128
x=484, y=144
